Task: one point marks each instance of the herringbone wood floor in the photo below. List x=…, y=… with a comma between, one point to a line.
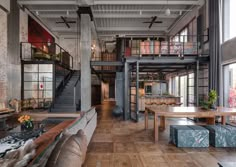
x=118, y=143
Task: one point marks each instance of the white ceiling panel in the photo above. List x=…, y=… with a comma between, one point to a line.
x=112, y=17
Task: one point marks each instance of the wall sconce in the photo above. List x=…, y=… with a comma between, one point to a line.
x=93, y=47
x=49, y=43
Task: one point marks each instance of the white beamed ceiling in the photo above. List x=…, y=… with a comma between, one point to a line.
x=111, y=17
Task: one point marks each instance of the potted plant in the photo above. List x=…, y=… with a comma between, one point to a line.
x=211, y=101
x=26, y=123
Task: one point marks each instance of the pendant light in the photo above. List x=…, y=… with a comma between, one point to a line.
x=167, y=12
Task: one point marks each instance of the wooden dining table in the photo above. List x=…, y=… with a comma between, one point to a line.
x=163, y=112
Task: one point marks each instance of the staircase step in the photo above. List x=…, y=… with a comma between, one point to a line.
x=62, y=110
x=64, y=101
x=63, y=98
x=66, y=96
x=69, y=106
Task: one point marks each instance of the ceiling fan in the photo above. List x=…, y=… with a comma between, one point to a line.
x=64, y=20
x=152, y=21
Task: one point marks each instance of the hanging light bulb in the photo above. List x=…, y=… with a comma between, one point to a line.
x=67, y=13
x=140, y=12
x=180, y=12
x=167, y=12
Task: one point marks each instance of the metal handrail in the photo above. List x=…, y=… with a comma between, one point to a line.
x=76, y=83
x=64, y=81
x=60, y=87
x=53, y=55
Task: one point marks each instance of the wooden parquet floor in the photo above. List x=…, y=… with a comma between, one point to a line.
x=118, y=143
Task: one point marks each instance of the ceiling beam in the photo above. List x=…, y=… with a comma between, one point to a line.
x=132, y=34
x=109, y=2
x=106, y=15
x=124, y=15
x=148, y=2
x=64, y=29
x=138, y=10
x=56, y=2
x=111, y=10
x=131, y=29
x=106, y=63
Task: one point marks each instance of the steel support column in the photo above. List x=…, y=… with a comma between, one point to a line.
x=126, y=92
x=196, y=81
x=179, y=87
x=137, y=91
x=187, y=71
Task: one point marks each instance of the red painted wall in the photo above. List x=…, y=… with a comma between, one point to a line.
x=38, y=34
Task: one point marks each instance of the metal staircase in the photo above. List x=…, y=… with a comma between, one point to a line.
x=68, y=99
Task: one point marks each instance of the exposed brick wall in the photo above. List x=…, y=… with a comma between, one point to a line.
x=3, y=55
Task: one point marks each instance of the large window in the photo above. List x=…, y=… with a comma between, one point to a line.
x=174, y=90
x=191, y=86
x=183, y=90
x=229, y=19
x=183, y=35
x=230, y=85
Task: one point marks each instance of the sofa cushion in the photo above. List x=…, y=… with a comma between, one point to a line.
x=90, y=128
x=90, y=113
x=79, y=123
x=69, y=151
x=47, y=142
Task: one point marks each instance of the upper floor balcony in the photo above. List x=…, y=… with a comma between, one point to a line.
x=181, y=45
x=45, y=51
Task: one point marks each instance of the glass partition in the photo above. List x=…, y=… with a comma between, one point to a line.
x=38, y=83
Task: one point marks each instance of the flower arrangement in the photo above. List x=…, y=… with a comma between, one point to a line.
x=26, y=122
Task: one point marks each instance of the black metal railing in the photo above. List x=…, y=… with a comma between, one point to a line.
x=39, y=51
x=164, y=45
x=160, y=45
x=76, y=96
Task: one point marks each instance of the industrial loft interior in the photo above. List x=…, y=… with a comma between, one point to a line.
x=117, y=83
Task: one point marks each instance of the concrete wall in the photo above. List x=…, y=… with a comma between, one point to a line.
x=119, y=89
x=184, y=21
x=13, y=29
x=3, y=56
x=13, y=52
x=228, y=51
x=71, y=45
x=23, y=26
x=191, y=17
x=5, y=5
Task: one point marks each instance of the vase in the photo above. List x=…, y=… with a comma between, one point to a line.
x=213, y=106
x=27, y=126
